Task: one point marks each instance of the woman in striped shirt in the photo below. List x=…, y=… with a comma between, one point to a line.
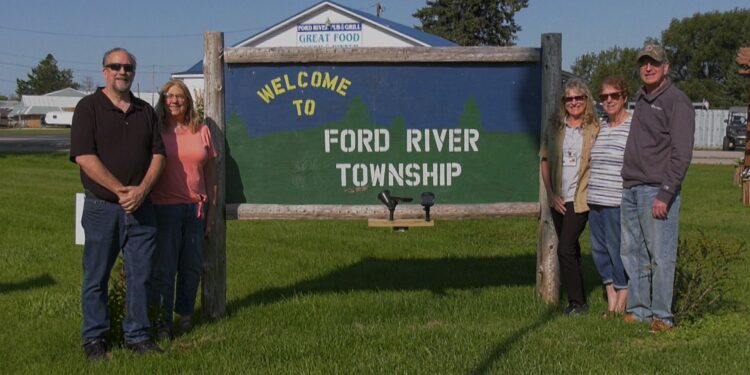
x=605, y=192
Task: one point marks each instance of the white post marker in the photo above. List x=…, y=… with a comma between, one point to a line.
x=80, y=238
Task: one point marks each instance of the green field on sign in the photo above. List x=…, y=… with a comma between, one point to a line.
x=292, y=168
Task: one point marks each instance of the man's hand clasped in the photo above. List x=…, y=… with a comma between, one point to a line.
x=130, y=197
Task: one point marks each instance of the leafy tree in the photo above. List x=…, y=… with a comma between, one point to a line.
x=3, y=97
x=616, y=61
x=44, y=78
x=702, y=49
x=472, y=22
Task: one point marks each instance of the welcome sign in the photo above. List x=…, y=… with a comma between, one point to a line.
x=339, y=134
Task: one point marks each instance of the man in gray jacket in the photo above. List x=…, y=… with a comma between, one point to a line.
x=657, y=156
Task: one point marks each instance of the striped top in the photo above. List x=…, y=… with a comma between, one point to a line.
x=605, y=183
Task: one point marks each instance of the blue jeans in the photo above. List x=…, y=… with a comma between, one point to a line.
x=108, y=229
x=604, y=224
x=649, y=253
x=179, y=253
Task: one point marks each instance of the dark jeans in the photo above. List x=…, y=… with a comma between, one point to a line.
x=108, y=230
x=179, y=253
x=569, y=228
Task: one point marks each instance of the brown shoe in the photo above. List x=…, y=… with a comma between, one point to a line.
x=630, y=318
x=658, y=325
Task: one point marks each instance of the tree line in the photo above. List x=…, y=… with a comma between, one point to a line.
x=701, y=49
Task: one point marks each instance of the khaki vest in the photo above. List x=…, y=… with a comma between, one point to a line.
x=551, y=150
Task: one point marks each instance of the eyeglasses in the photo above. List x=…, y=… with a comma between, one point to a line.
x=649, y=61
x=577, y=98
x=116, y=67
x=177, y=97
x=613, y=96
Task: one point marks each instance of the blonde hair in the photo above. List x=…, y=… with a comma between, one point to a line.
x=589, y=114
x=192, y=119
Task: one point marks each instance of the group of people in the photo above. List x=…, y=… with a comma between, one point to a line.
x=150, y=184
x=623, y=176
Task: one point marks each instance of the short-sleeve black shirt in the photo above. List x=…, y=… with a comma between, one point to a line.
x=125, y=142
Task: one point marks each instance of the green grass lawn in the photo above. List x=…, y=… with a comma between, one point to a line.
x=320, y=297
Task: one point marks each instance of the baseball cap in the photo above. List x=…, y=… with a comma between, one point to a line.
x=653, y=51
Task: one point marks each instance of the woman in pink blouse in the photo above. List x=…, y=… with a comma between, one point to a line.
x=185, y=203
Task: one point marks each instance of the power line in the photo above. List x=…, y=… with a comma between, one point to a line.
x=56, y=59
x=143, y=69
x=13, y=64
x=79, y=62
x=102, y=36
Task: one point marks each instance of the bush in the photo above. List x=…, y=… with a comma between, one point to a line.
x=702, y=276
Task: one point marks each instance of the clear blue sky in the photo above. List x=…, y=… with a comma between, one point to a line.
x=166, y=36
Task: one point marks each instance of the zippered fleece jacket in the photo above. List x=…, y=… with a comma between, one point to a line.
x=660, y=143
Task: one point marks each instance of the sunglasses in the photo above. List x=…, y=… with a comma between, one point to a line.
x=177, y=97
x=613, y=96
x=116, y=67
x=577, y=98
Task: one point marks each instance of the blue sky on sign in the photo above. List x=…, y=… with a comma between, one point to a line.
x=505, y=99
x=166, y=36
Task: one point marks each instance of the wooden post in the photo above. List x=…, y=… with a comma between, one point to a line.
x=738, y=168
x=548, y=268
x=743, y=60
x=214, y=291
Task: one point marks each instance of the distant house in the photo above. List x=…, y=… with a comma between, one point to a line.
x=327, y=24
x=32, y=110
x=6, y=106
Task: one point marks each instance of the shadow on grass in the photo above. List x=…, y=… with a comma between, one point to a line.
x=436, y=275
x=502, y=348
x=33, y=283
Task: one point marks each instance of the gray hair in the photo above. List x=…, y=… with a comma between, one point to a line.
x=118, y=49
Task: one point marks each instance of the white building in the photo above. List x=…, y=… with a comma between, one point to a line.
x=327, y=24
x=55, y=108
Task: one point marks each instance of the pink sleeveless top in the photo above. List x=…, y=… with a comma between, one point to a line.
x=183, y=180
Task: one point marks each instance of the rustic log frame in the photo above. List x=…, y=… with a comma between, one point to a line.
x=548, y=267
x=216, y=56
x=214, y=278
x=386, y=55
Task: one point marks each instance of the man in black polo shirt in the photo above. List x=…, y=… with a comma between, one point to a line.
x=116, y=142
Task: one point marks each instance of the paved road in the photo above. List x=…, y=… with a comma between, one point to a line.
x=29, y=143
x=717, y=157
